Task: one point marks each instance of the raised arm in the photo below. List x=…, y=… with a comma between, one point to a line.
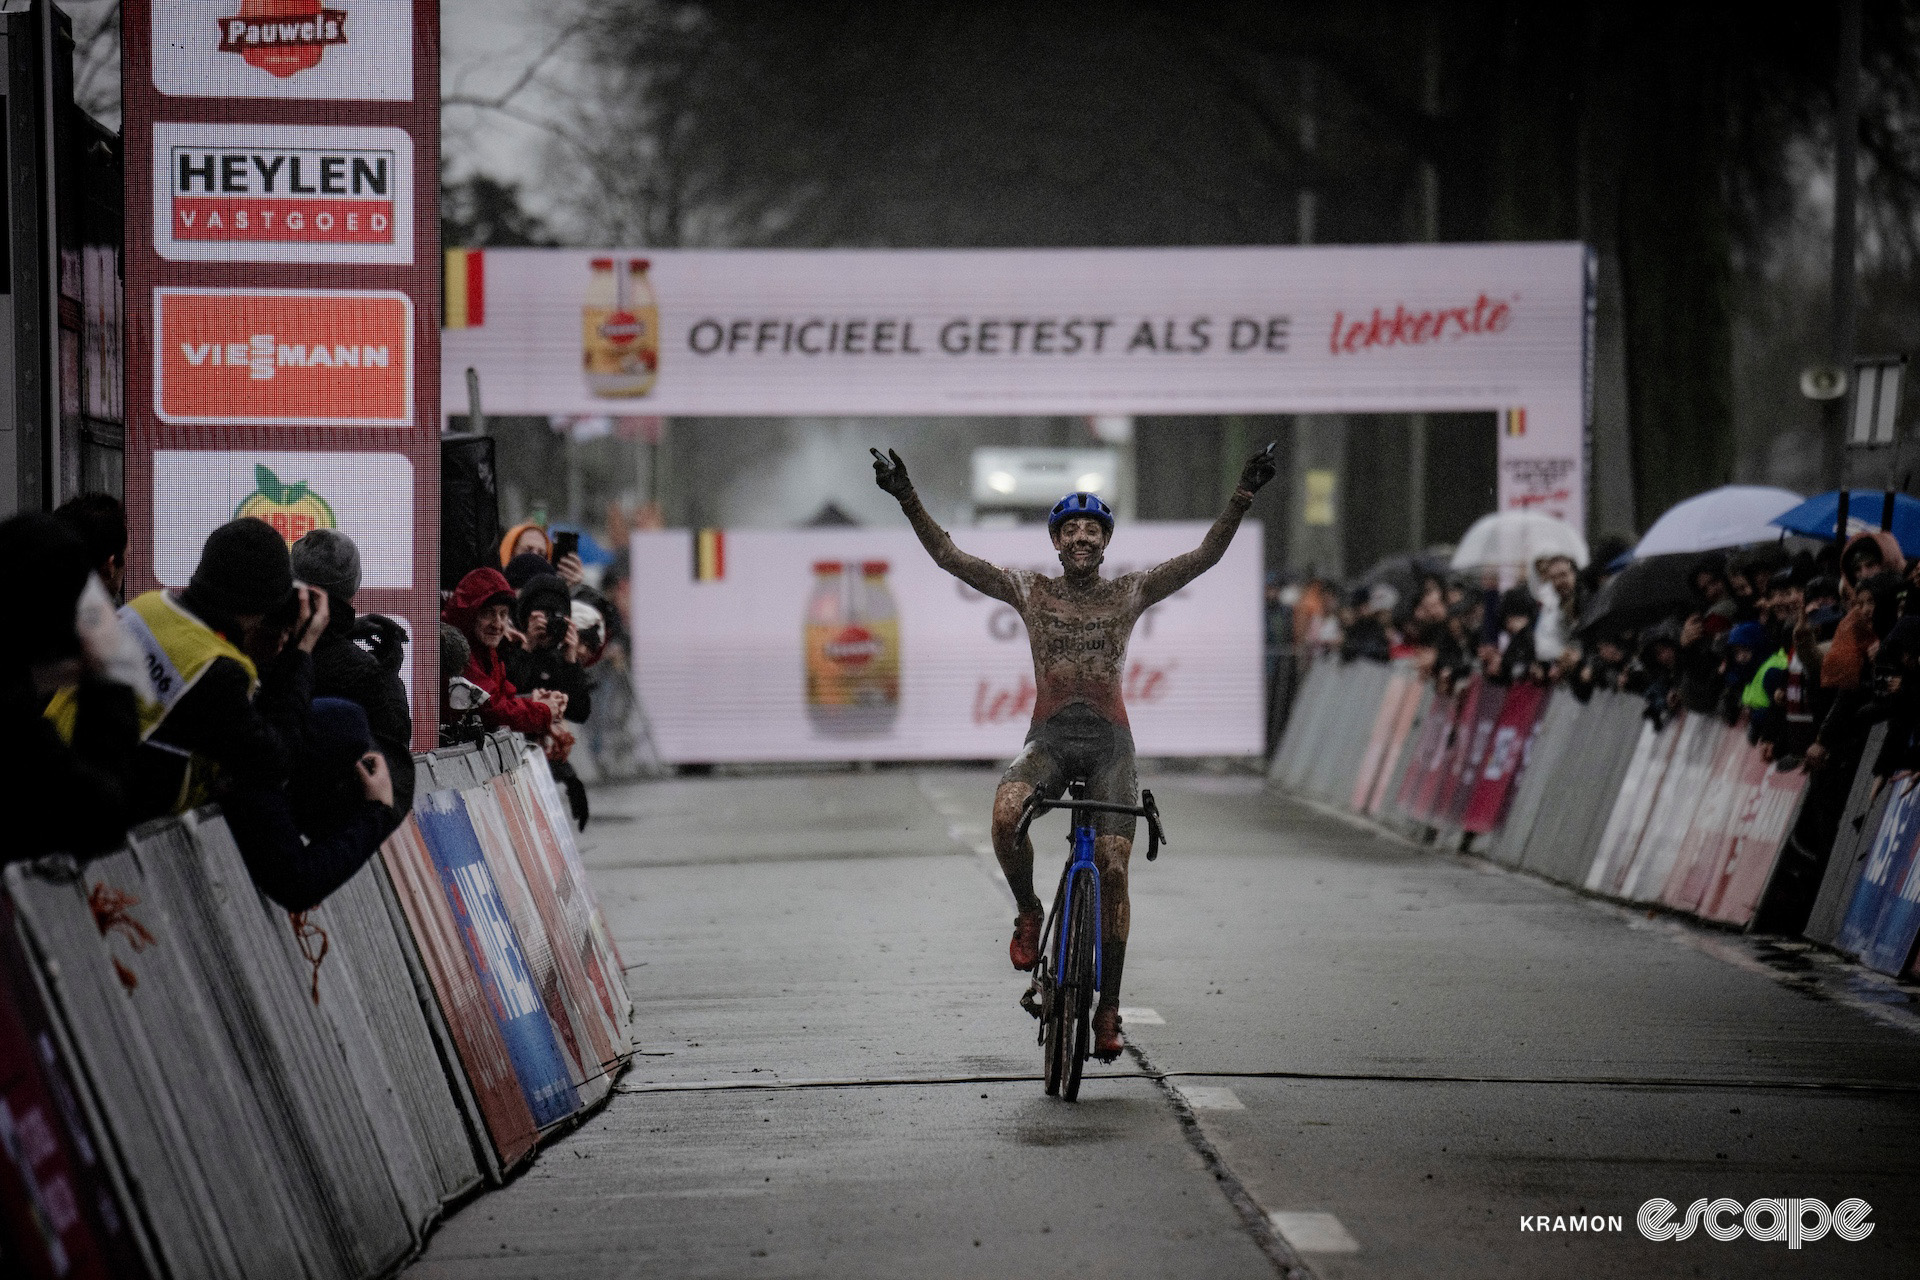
x=890, y=473
x=1168, y=577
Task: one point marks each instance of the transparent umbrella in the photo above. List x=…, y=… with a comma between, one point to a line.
x=1518, y=538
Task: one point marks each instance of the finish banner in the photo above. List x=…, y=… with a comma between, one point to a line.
x=853, y=645
x=1334, y=329
x=283, y=290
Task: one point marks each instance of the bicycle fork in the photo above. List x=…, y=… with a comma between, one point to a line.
x=1082, y=857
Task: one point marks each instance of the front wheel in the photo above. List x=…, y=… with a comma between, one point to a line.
x=1076, y=992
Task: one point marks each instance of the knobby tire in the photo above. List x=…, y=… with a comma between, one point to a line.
x=1077, y=987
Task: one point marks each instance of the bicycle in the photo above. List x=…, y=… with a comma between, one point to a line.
x=1068, y=974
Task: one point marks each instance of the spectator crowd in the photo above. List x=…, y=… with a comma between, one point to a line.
x=260, y=687
x=1806, y=650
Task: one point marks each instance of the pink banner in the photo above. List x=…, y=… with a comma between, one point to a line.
x=1493, y=790
x=1759, y=831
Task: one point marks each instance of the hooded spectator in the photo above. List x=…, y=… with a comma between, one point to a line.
x=525, y=539
x=76, y=779
x=101, y=523
x=359, y=658
x=304, y=842
x=482, y=608
x=1870, y=554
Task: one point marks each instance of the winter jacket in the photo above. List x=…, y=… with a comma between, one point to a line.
x=504, y=708
x=251, y=736
x=79, y=801
x=342, y=669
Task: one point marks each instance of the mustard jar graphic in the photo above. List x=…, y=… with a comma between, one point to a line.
x=620, y=329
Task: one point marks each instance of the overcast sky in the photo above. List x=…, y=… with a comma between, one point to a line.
x=485, y=45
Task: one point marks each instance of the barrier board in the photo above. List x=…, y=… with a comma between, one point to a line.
x=497, y=959
x=1888, y=860
x=1506, y=758
x=486, y=1064
x=1859, y=823
x=1413, y=705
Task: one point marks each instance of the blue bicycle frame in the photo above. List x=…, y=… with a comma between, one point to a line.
x=1082, y=838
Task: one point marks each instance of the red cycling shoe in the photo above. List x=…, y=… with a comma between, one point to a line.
x=1024, y=950
x=1107, y=1042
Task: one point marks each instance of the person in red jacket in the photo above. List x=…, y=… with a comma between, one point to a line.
x=482, y=608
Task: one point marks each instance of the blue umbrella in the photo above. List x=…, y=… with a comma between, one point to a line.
x=1814, y=518
x=591, y=552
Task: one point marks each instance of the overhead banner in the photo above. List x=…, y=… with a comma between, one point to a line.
x=283, y=289
x=853, y=645
x=1335, y=329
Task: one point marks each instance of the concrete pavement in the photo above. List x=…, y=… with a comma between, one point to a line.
x=1397, y=1050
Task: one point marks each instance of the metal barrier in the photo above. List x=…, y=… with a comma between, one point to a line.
x=1689, y=816
x=253, y=1094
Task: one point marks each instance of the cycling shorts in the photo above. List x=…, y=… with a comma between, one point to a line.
x=1079, y=742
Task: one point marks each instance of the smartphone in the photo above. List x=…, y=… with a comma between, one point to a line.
x=565, y=543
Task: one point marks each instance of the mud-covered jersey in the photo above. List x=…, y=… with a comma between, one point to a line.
x=1079, y=630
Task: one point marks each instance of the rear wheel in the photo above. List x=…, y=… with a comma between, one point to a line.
x=1077, y=1012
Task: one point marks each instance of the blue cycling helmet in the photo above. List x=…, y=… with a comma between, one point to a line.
x=1080, y=504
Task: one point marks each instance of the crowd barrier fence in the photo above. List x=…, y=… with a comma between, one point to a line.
x=195, y=1083
x=1688, y=816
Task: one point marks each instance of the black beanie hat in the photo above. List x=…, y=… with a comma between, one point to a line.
x=327, y=558
x=48, y=569
x=244, y=569
x=545, y=592
x=525, y=567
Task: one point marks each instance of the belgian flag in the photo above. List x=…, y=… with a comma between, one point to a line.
x=466, y=289
x=1515, y=421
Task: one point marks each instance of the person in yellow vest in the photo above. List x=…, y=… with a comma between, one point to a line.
x=230, y=659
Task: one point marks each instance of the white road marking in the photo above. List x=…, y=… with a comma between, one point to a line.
x=1312, y=1231
x=1211, y=1097
x=1144, y=1017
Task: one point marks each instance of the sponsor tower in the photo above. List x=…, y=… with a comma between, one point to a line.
x=283, y=301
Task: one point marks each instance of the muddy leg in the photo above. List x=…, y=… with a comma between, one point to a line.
x=1016, y=856
x=1116, y=913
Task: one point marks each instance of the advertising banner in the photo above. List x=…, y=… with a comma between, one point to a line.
x=1506, y=756
x=1769, y=803
x=1432, y=749
x=282, y=266
x=494, y=951
x=1889, y=863
x=1333, y=329
x=853, y=645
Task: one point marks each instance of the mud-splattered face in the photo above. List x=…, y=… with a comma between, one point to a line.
x=1082, y=544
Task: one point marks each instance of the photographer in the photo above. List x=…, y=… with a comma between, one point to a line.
x=357, y=657
x=549, y=660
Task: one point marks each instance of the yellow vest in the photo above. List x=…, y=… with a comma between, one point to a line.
x=178, y=649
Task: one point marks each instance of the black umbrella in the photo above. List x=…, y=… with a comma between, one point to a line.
x=1405, y=573
x=1644, y=592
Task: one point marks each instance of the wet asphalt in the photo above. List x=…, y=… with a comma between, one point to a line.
x=1363, y=1059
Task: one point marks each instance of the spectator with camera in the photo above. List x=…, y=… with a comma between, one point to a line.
x=358, y=657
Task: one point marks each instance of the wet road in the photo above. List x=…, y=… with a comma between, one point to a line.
x=1355, y=1056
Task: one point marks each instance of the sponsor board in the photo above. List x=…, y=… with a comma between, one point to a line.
x=768, y=662
x=367, y=496
x=284, y=357
x=1499, y=329
x=282, y=193
x=349, y=49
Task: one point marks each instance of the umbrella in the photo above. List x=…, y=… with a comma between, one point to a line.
x=1405, y=573
x=1643, y=592
x=1730, y=516
x=1518, y=538
x=591, y=552
x=1814, y=517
